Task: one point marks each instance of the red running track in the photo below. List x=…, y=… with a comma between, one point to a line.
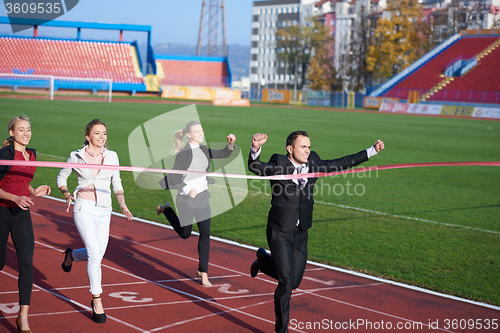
x=149, y=286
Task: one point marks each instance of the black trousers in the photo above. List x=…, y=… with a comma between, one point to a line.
x=199, y=209
x=17, y=223
x=286, y=264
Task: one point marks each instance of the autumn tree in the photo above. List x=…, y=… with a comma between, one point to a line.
x=297, y=44
x=321, y=71
x=401, y=37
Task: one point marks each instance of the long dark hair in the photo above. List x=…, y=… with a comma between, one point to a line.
x=89, y=128
x=10, y=127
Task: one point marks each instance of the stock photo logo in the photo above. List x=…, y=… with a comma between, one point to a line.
x=151, y=145
x=24, y=14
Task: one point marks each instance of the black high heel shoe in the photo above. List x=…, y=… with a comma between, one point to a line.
x=99, y=318
x=69, y=252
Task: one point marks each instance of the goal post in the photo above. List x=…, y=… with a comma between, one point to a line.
x=49, y=82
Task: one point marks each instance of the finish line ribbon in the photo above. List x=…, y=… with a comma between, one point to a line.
x=47, y=164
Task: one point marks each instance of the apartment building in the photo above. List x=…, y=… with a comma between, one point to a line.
x=266, y=68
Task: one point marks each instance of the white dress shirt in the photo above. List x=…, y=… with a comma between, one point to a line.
x=101, y=181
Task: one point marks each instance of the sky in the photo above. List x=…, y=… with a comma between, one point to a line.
x=172, y=21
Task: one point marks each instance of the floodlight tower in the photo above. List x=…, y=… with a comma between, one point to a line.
x=212, y=17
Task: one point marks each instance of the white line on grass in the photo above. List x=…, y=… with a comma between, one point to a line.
x=406, y=217
x=53, y=156
x=381, y=213
x=346, y=207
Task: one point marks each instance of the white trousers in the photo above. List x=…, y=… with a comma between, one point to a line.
x=92, y=223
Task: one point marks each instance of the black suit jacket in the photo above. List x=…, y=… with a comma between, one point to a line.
x=183, y=161
x=8, y=153
x=289, y=203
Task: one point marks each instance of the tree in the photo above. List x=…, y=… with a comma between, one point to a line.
x=297, y=44
x=321, y=72
x=399, y=39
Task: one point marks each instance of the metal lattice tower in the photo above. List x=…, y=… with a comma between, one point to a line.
x=212, y=19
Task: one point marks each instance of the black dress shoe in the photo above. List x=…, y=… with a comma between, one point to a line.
x=67, y=253
x=99, y=318
x=254, y=269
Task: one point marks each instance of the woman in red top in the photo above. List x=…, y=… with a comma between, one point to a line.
x=15, y=219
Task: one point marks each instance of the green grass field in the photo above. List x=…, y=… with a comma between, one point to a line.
x=434, y=227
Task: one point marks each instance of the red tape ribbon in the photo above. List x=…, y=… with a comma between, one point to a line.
x=229, y=175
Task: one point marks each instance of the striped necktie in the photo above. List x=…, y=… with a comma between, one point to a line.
x=302, y=181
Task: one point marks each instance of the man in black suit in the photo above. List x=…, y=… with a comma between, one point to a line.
x=291, y=212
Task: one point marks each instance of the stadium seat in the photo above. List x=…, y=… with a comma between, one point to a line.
x=195, y=73
x=430, y=73
x=69, y=58
x=480, y=84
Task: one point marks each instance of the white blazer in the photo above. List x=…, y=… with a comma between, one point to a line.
x=86, y=177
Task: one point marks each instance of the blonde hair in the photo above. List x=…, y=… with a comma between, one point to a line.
x=11, y=126
x=89, y=128
x=179, y=135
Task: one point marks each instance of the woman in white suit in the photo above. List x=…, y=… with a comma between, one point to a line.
x=92, y=209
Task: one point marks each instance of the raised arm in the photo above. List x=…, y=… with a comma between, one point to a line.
x=258, y=140
x=227, y=151
x=350, y=161
x=258, y=167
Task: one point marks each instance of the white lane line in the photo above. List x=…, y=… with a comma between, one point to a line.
x=221, y=313
x=328, y=283
x=338, y=269
x=210, y=300
x=217, y=299
x=13, y=292
x=178, y=291
x=86, y=308
x=212, y=277
x=104, y=285
x=367, y=309
x=253, y=305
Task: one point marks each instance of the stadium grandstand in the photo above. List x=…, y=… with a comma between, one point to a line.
x=194, y=71
x=82, y=65
x=464, y=68
x=76, y=64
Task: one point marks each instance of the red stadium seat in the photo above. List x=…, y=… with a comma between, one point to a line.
x=69, y=58
x=483, y=77
x=195, y=73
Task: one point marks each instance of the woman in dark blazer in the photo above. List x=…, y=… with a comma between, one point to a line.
x=15, y=218
x=193, y=198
